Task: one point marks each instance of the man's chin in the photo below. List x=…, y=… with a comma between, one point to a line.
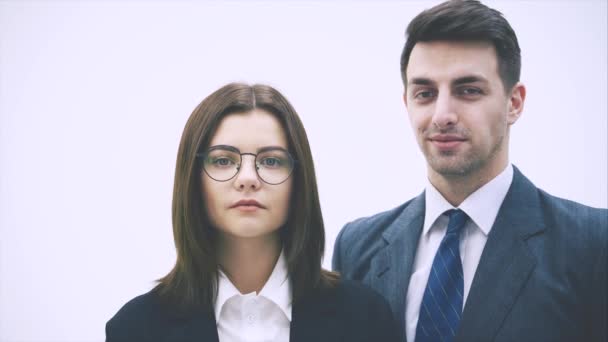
x=450, y=166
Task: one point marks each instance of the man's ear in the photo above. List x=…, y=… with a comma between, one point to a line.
x=516, y=102
x=405, y=98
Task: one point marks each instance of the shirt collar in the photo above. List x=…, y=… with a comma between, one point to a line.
x=277, y=289
x=481, y=206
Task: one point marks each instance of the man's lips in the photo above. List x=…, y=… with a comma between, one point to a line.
x=446, y=141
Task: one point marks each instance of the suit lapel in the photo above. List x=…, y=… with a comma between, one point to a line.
x=196, y=327
x=392, y=266
x=505, y=264
x=314, y=319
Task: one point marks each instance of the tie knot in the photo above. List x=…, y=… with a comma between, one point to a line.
x=457, y=220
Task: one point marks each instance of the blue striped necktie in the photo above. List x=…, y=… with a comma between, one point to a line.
x=441, y=306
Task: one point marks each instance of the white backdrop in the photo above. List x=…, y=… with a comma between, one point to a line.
x=94, y=96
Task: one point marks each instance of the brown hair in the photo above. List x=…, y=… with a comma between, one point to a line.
x=192, y=283
x=466, y=20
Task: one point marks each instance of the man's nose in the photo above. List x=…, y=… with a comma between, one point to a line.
x=445, y=114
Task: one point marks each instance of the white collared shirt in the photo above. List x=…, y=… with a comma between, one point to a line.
x=481, y=207
x=251, y=317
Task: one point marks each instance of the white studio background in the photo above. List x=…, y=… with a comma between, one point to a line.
x=94, y=96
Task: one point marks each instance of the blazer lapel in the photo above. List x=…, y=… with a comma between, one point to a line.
x=196, y=327
x=392, y=266
x=314, y=319
x=505, y=263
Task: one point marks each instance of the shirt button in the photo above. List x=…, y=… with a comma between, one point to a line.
x=250, y=319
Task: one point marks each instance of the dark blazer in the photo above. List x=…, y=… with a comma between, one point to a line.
x=541, y=276
x=350, y=312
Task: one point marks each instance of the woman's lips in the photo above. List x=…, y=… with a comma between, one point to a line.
x=247, y=205
x=247, y=208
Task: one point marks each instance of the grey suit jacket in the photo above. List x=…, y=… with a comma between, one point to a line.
x=541, y=276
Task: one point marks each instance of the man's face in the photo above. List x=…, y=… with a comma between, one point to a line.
x=459, y=109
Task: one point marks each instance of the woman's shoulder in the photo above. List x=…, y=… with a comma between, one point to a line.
x=352, y=293
x=152, y=317
x=147, y=302
x=136, y=318
x=361, y=313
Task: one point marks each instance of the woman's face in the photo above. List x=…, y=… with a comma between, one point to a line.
x=245, y=206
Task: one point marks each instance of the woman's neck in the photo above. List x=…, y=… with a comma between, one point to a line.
x=248, y=262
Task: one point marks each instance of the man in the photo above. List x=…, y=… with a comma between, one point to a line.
x=481, y=254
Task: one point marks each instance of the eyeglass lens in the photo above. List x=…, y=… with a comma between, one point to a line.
x=273, y=166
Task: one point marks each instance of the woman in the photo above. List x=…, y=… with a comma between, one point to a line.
x=249, y=236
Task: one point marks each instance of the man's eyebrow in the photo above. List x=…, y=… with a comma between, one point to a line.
x=458, y=81
x=421, y=81
x=469, y=79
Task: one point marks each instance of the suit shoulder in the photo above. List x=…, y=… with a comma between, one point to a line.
x=372, y=225
x=569, y=206
x=583, y=228
x=142, y=305
x=573, y=214
x=366, y=311
x=135, y=318
x=354, y=291
x=360, y=240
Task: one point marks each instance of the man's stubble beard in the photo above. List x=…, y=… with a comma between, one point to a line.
x=461, y=166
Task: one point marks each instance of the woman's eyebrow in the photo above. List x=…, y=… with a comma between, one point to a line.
x=271, y=148
x=235, y=149
x=225, y=147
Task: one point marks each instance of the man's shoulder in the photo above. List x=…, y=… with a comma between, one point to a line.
x=570, y=209
x=371, y=226
x=574, y=218
x=360, y=240
x=560, y=215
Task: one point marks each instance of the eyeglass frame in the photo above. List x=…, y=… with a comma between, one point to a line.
x=202, y=155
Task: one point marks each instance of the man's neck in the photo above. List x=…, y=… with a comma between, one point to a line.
x=456, y=188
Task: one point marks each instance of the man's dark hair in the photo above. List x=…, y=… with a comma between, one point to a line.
x=466, y=20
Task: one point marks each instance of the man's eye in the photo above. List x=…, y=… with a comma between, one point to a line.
x=424, y=94
x=470, y=91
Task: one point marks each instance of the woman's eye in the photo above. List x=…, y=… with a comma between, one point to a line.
x=271, y=162
x=222, y=162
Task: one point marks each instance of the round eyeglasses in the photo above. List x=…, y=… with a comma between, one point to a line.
x=272, y=164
